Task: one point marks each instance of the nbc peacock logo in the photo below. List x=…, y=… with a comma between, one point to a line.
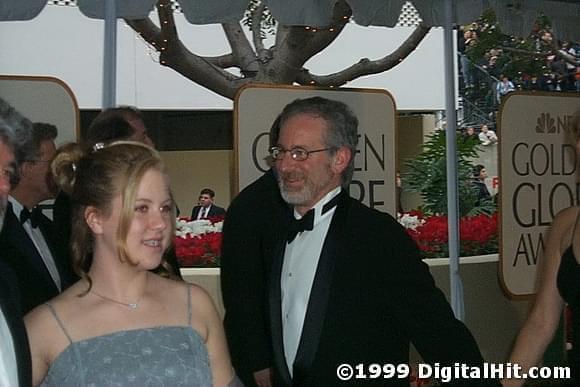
x=545, y=124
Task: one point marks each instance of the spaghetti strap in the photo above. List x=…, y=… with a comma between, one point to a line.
x=60, y=324
x=189, y=305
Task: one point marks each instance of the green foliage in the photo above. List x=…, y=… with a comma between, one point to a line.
x=517, y=56
x=427, y=175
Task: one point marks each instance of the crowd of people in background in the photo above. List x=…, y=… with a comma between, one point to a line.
x=559, y=61
x=483, y=135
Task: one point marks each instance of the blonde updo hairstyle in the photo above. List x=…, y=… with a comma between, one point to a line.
x=95, y=178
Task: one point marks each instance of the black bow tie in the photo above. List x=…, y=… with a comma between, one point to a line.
x=34, y=216
x=306, y=223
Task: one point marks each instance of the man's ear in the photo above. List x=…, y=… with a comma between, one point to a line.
x=341, y=160
x=25, y=167
x=94, y=218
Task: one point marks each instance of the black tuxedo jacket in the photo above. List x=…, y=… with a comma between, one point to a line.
x=10, y=305
x=250, y=226
x=17, y=251
x=372, y=295
x=213, y=211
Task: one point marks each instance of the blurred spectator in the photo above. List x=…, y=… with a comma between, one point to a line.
x=399, y=191
x=504, y=86
x=469, y=134
x=487, y=136
x=479, y=176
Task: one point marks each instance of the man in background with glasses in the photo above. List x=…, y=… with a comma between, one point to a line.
x=347, y=285
x=15, y=363
x=32, y=246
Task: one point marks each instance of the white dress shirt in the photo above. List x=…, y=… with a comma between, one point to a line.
x=203, y=211
x=8, y=366
x=39, y=242
x=300, y=263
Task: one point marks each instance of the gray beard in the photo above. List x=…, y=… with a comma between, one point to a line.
x=296, y=198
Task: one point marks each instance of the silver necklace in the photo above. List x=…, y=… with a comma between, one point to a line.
x=131, y=305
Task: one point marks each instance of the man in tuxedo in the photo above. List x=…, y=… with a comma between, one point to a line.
x=347, y=284
x=206, y=208
x=248, y=236
x=15, y=363
x=30, y=244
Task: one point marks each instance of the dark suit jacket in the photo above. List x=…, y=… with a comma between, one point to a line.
x=248, y=236
x=372, y=295
x=19, y=253
x=213, y=211
x=10, y=305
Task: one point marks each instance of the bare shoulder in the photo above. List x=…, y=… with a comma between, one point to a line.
x=559, y=235
x=44, y=334
x=567, y=216
x=174, y=289
x=564, y=222
x=38, y=318
x=43, y=314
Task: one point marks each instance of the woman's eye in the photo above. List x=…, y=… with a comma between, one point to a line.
x=141, y=208
x=166, y=209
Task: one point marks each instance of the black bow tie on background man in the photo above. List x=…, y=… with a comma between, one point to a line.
x=34, y=216
x=306, y=223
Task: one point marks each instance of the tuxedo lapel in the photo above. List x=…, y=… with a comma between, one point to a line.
x=59, y=250
x=15, y=235
x=275, y=296
x=317, y=304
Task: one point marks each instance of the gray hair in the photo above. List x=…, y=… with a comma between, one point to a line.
x=40, y=132
x=16, y=132
x=342, y=125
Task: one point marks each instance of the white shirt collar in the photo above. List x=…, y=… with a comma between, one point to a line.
x=320, y=204
x=16, y=206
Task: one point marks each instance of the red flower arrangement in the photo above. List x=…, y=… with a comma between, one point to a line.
x=479, y=234
x=198, y=243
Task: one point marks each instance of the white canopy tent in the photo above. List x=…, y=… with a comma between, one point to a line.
x=515, y=16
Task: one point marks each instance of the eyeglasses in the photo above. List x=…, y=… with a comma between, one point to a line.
x=297, y=153
x=7, y=173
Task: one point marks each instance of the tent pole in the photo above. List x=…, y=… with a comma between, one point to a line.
x=456, y=285
x=110, y=55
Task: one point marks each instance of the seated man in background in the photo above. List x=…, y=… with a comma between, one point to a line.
x=206, y=207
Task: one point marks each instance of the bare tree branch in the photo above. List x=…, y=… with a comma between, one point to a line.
x=282, y=63
x=241, y=48
x=208, y=72
x=256, y=16
x=147, y=30
x=222, y=61
x=152, y=35
x=542, y=54
x=302, y=43
x=166, y=20
x=366, y=66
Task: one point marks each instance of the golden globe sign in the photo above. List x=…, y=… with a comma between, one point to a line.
x=257, y=106
x=538, y=179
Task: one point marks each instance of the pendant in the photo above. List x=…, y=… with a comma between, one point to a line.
x=133, y=305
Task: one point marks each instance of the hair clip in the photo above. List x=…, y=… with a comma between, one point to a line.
x=98, y=146
x=74, y=167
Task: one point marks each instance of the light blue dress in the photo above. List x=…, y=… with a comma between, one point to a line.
x=159, y=356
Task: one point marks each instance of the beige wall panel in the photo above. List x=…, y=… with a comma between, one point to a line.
x=191, y=171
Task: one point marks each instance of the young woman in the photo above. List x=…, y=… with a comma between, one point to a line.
x=559, y=283
x=122, y=324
